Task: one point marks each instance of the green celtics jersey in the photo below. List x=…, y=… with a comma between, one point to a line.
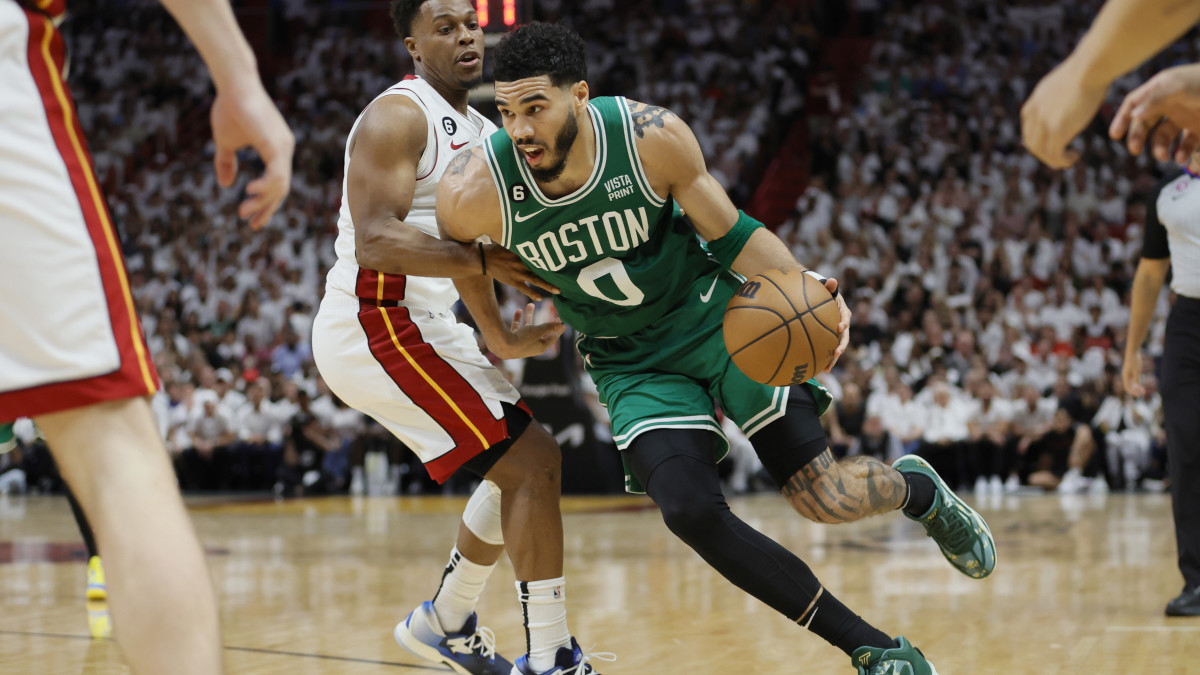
x=621, y=255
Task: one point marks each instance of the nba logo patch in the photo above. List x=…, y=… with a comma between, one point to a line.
x=558, y=592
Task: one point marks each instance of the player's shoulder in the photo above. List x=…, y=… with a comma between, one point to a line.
x=665, y=143
x=651, y=121
x=393, y=122
x=393, y=108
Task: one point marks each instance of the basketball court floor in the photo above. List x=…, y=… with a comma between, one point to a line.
x=315, y=585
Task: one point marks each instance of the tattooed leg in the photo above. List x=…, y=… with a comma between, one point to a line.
x=831, y=491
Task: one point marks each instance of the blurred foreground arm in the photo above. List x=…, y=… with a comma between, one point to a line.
x=242, y=114
x=1124, y=34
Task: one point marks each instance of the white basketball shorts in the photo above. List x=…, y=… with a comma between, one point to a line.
x=421, y=375
x=69, y=335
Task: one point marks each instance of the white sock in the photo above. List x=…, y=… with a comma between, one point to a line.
x=462, y=583
x=545, y=607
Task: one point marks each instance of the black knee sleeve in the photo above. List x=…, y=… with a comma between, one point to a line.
x=678, y=471
x=679, y=474
x=789, y=443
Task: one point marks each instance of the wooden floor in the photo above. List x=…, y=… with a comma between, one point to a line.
x=315, y=586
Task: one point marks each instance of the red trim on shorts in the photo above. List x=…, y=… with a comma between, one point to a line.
x=367, y=286
x=433, y=385
x=136, y=375
x=55, y=8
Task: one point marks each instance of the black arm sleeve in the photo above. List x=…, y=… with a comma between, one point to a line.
x=1154, y=242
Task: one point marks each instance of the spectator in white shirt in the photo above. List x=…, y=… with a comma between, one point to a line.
x=989, y=455
x=260, y=440
x=205, y=465
x=1127, y=425
x=945, y=434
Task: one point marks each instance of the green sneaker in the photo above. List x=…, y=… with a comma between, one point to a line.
x=8, y=442
x=959, y=531
x=903, y=660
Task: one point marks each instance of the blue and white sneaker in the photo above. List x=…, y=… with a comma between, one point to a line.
x=568, y=661
x=470, y=652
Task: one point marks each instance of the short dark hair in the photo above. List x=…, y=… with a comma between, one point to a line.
x=541, y=49
x=403, y=12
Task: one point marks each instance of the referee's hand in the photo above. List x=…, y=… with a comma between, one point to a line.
x=1131, y=376
x=1163, y=110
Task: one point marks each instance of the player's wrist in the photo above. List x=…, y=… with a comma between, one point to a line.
x=824, y=280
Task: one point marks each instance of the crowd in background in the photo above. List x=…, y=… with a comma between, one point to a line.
x=990, y=294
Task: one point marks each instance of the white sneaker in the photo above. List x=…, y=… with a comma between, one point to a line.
x=981, y=486
x=1072, y=482
x=12, y=481
x=356, y=481
x=1011, y=484
x=995, y=485
x=1154, y=485
x=470, y=652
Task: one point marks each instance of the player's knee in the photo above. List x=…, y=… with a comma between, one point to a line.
x=533, y=463
x=693, y=518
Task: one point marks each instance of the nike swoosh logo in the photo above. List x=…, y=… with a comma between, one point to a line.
x=520, y=218
x=705, y=296
x=459, y=146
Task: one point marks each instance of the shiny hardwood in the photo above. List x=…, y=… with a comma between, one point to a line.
x=315, y=585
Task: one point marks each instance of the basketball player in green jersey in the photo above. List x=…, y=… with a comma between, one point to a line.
x=588, y=193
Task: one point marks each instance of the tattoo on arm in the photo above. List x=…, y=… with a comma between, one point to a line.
x=458, y=165
x=644, y=115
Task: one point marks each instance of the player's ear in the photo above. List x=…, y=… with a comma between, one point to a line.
x=411, y=45
x=580, y=95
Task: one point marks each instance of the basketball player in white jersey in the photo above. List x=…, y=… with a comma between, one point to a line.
x=72, y=355
x=387, y=343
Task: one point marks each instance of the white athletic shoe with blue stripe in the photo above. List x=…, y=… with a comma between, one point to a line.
x=470, y=652
x=569, y=660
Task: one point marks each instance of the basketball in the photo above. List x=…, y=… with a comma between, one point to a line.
x=781, y=327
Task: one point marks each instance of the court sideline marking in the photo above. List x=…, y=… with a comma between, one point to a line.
x=255, y=650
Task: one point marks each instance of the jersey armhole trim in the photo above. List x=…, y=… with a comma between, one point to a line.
x=505, y=207
x=631, y=146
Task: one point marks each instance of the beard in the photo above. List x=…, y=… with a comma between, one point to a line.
x=562, y=147
x=472, y=82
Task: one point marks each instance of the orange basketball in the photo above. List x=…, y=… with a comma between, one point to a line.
x=781, y=327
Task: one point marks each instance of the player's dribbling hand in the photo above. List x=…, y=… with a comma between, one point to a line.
x=1170, y=100
x=843, y=326
x=1131, y=376
x=506, y=267
x=1060, y=106
x=246, y=117
x=527, y=338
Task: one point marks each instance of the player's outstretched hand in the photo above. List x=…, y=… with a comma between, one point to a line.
x=247, y=117
x=843, y=326
x=1163, y=109
x=527, y=338
x=1060, y=106
x=506, y=267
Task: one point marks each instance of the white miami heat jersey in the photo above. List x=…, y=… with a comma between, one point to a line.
x=449, y=132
